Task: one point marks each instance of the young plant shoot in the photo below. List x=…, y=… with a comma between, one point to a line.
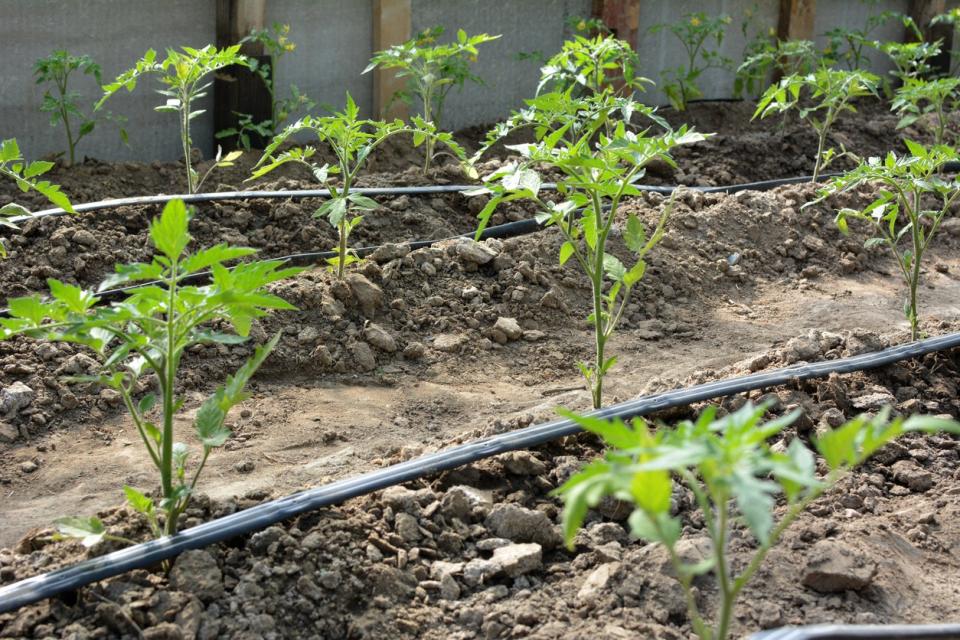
x=431, y=70
x=61, y=103
x=26, y=175
x=785, y=57
x=902, y=214
x=276, y=43
x=185, y=74
x=828, y=93
x=589, y=65
x=917, y=98
x=145, y=336
x=735, y=478
x=850, y=45
x=695, y=32
x=587, y=140
x=352, y=140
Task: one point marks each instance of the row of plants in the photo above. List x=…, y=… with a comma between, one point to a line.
x=589, y=129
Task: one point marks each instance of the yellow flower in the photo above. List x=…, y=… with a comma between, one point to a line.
x=695, y=21
x=582, y=25
x=772, y=32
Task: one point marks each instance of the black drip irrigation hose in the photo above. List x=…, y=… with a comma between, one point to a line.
x=151, y=553
x=761, y=185
x=863, y=632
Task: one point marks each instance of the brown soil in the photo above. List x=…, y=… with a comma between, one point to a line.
x=734, y=275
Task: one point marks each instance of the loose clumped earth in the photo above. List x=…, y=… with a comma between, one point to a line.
x=421, y=349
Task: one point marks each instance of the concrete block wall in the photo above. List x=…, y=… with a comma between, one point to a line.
x=334, y=41
x=116, y=34
x=525, y=26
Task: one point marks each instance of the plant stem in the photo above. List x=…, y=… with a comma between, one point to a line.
x=342, y=247
x=820, y=142
x=185, y=136
x=170, y=368
x=427, y=116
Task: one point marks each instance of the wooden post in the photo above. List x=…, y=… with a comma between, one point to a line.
x=796, y=19
x=622, y=16
x=237, y=89
x=391, y=26
x=922, y=12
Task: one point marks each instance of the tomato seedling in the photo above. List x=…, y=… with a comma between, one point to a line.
x=143, y=338
x=587, y=140
x=432, y=70
x=26, y=175
x=62, y=104
x=588, y=65
x=695, y=32
x=735, y=478
x=184, y=73
x=827, y=94
x=908, y=185
x=352, y=139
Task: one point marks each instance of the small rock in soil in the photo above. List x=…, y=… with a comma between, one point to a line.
x=908, y=474
x=522, y=525
x=518, y=559
x=522, y=463
x=380, y=338
x=28, y=466
x=363, y=356
x=8, y=432
x=414, y=351
x=369, y=296
x=197, y=571
x=387, y=252
x=475, y=252
x=596, y=582
x=15, y=397
x=506, y=330
x=449, y=342
x=460, y=500
x=834, y=567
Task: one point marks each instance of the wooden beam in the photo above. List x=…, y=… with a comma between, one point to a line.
x=796, y=19
x=621, y=16
x=391, y=26
x=237, y=89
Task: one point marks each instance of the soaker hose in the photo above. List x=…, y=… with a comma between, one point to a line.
x=863, y=632
x=150, y=553
x=761, y=185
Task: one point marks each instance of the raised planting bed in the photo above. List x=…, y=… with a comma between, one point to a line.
x=420, y=349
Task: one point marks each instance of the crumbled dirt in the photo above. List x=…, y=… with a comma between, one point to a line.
x=419, y=349
x=475, y=553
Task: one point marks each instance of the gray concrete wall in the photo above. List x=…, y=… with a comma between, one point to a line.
x=116, y=34
x=526, y=25
x=334, y=41
x=662, y=50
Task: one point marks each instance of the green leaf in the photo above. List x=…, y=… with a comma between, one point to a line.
x=90, y=531
x=634, y=236
x=566, y=251
x=169, y=231
x=138, y=501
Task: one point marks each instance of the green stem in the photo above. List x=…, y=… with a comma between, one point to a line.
x=598, y=322
x=185, y=137
x=820, y=142
x=727, y=595
x=170, y=367
x=428, y=145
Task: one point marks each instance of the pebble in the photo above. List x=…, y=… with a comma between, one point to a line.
x=833, y=567
x=363, y=356
x=522, y=525
x=475, y=252
x=506, y=330
x=15, y=397
x=369, y=296
x=449, y=342
x=380, y=338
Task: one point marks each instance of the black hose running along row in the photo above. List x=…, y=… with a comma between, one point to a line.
x=264, y=515
x=300, y=194
x=863, y=632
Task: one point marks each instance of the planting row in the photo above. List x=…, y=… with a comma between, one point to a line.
x=587, y=140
